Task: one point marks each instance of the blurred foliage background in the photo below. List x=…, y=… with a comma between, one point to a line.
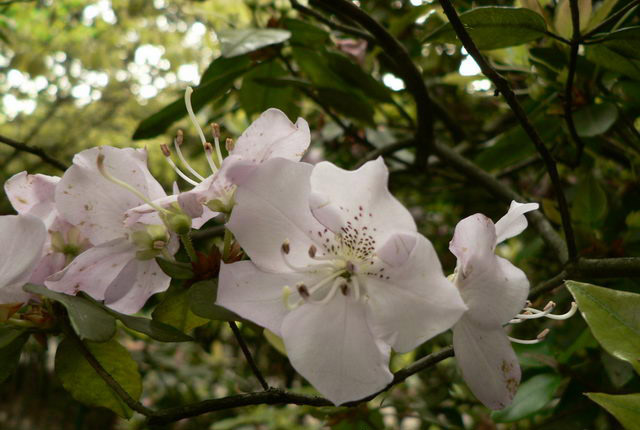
x=75, y=74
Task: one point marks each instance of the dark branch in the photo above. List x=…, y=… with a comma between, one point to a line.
x=35, y=151
x=248, y=356
x=503, y=86
x=405, y=69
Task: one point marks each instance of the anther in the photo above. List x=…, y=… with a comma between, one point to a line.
x=229, y=144
x=351, y=268
x=215, y=130
x=179, y=138
x=286, y=247
x=312, y=251
x=167, y=154
x=549, y=306
x=542, y=334
x=303, y=291
x=165, y=150
x=344, y=289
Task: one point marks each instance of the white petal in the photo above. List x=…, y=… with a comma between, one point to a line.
x=412, y=302
x=474, y=242
x=22, y=238
x=273, y=135
x=487, y=362
x=256, y=295
x=51, y=263
x=138, y=281
x=272, y=206
x=332, y=346
x=360, y=197
x=514, y=222
x=33, y=195
x=94, y=204
x=93, y=270
x=494, y=293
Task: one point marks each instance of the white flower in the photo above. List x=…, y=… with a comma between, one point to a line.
x=495, y=291
x=337, y=270
x=120, y=269
x=22, y=238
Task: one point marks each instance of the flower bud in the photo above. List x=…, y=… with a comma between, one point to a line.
x=179, y=223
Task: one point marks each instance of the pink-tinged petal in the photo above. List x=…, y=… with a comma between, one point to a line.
x=33, y=195
x=97, y=206
x=146, y=214
x=93, y=270
x=207, y=214
x=131, y=289
x=332, y=346
x=273, y=135
x=494, y=293
x=474, y=242
x=361, y=198
x=411, y=302
x=22, y=238
x=487, y=362
x=272, y=206
x=256, y=295
x=514, y=222
x=51, y=263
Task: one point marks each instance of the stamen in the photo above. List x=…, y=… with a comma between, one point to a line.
x=344, y=289
x=107, y=176
x=194, y=120
x=303, y=291
x=286, y=293
x=286, y=247
x=167, y=156
x=351, y=268
x=324, y=281
x=531, y=313
x=538, y=338
x=229, y=144
x=215, y=130
x=356, y=287
x=177, y=142
x=312, y=251
x=332, y=292
x=572, y=311
x=208, y=149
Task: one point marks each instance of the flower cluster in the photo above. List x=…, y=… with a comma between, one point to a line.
x=335, y=264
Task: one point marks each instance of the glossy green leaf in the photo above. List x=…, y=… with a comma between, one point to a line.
x=601, y=13
x=89, y=320
x=83, y=382
x=495, y=27
x=609, y=59
x=175, y=310
x=202, y=299
x=208, y=91
x=11, y=343
x=613, y=318
x=175, y=269
x=619, y=372
x=358, y=78
x=625, y=407
x=594, y=119
x=562, y=18
x=154, y=329
x=532, y=396
x=347, y=104
x=624, y=42
x=590, y=201
x=234, y=42
x=256, y=96
x=304, y=33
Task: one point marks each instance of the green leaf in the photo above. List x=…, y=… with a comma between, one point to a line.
x=304, y=33
x=495, y=27
x=532, y=396
x=594, y=119
x=619, y=372
x=83, y=382
x=601, y=13
x=202, y=299
x=590, y=202
x=609, y=59
x=275, y=341
x=88, y=319
x=256, y=96
x=154, y=329
x=562, y=19
x=208, y=91
x=174, y=310
x=613, y=318
x=353, y=75
x=625, y=407
x=624, y=42
x=175, y=269
x=234, y=42
x=11, y=343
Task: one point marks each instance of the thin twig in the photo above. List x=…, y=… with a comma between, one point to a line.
x=385, y=150
x=248, y=356
x=35, y=151
x=405, y=69
x=342, y=28
x=568, y=90
x=556, y=37
x=503, y=86
x=106, y=376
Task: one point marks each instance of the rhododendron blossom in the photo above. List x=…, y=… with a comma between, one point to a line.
x=120, y=269
x=495, y=291
x=337, y=270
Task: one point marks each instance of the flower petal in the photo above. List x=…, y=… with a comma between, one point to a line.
x=256, y=295
x=473, y=243
x=33, y=195
x=514, y=222
x=131, y=289
x=332, y=346
x=494, y=293
x=412, y=302
x=51, y=263
x=487, y=362
x=272, y=206
x=93, y=270
x=273, y=135
x=22, y=238
x=360, y=197
x=94, y=204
